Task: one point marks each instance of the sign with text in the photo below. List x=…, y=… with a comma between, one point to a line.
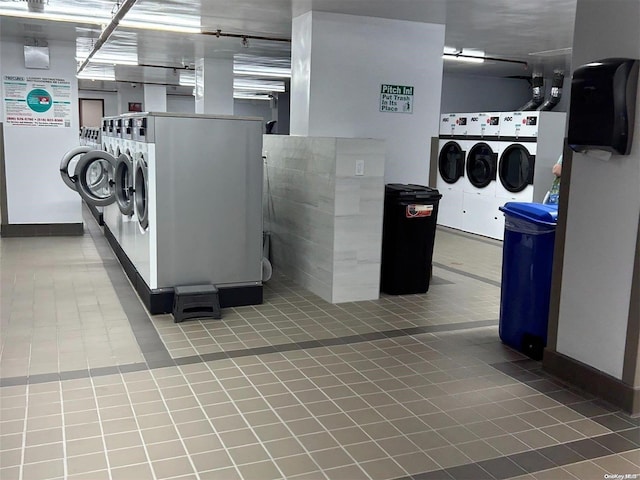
x=396, y=99
x=36, y=101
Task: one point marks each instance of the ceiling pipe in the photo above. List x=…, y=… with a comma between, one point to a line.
x=492, y=59
x=108, y=30
x=219, y=33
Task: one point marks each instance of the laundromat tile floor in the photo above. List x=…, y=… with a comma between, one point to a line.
x=412, y=387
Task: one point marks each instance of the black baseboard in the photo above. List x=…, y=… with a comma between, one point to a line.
x=593, y=381
x=97, y=214
x=42, y=230
x=159, y=301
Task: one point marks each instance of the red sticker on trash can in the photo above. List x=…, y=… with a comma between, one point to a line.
x=416, y=211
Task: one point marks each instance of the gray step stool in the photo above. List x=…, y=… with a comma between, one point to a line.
x=195, y=301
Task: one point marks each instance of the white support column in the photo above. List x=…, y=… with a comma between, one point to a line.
x=214, y=86
x=155, y=98
x=339, y=65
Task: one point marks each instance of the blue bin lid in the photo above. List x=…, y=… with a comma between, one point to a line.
x=538, y=213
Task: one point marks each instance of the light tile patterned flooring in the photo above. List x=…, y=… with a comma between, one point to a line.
x=442, y=404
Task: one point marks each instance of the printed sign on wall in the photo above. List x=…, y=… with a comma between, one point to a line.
x=396, y=99
x=37, y=101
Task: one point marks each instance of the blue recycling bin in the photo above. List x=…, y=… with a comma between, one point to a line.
x=527, y=263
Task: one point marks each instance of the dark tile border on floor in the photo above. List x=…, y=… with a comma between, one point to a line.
x=537, y=460
x=467, y=274
x=158, y=359
x=471, y=236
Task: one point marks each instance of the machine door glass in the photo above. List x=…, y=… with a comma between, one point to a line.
x=69, y=163
x=516, y=168
x=123, y=183
x=481, y=165
x=94, y=183
x=141, y=192
x=451, y=162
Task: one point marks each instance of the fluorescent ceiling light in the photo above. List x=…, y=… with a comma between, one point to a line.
x=248, y=96
x=450, y=50
x=553, y=53
x=262, y=72
x=466, y=59
x=96, y=76
x=107, y=61
x=258, y=86
x=55, y=17
x=160, y=27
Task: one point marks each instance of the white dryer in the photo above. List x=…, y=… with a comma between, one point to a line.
x=531, y=143
x=479, y=201
x=451, y=156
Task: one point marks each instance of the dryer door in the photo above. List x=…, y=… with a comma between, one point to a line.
x=481, y=165
x=451, y=162
x=141, y=194
x=95, y=178
x=516, y=169
x=123, y=183
x=69, y=162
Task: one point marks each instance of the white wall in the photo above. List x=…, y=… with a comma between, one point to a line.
x=339, y=63
x=604, y=206
x=35, y=192
x=253, y=108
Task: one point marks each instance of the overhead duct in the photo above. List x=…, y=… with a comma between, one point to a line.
x=556, y=93
x=537, y=82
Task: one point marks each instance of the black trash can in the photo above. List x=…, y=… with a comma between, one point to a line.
x=408, y=235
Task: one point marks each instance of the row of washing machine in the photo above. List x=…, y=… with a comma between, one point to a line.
x=488, y=159
x=182, y=204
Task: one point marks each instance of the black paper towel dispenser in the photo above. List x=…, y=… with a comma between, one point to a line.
x=603, y=100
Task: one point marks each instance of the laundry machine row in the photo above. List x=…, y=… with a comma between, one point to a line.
x=489, y=158
x=184, y=205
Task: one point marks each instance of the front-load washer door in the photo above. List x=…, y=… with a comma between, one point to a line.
x=123, y=183
x=451, y=162
x=95, y=178
x=481, y=165
x=516, y=168
x=141, y=192
x=68, y=165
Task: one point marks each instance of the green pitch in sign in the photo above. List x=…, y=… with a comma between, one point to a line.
x=396, y=99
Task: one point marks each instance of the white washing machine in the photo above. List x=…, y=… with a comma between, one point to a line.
x=480, y=214
x=531, y=143
x=197, y=207
x=451, y=158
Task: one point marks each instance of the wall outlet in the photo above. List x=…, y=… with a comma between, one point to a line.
x=359, y=168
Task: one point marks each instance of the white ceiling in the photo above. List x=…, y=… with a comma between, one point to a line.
x=501, y=28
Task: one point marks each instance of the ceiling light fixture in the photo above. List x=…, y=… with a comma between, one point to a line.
x=160, y=27
x=459, y=57
x=553, y=53
x=114, y=61
x=55, y=17
x=262, y=72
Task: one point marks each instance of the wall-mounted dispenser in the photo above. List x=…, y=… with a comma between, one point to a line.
x=602, y=111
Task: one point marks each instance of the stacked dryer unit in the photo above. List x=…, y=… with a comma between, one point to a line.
x=530, y=144
x=451, y=158
x=480, y=209
x=196, y=193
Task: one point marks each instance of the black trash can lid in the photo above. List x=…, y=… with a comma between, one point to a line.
x=402, y=190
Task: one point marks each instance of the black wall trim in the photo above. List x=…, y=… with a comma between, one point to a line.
x=159, y=301
x=42, y=230
x=97, y=214
x=593, y=381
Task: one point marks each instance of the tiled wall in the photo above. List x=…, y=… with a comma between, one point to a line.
x=325, y=222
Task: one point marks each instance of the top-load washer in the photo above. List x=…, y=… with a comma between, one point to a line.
x=451, y=157
x=531, y=143
x=480, y=214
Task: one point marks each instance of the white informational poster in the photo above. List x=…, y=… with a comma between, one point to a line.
x=36, y=101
